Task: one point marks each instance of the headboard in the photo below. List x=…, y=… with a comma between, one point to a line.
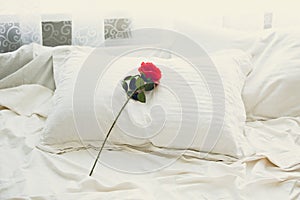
x=66, y=29
x=15, y=32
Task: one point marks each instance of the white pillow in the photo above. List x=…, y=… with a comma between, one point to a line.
x=272, y=88
x=36, y=70
x=61, y=133
x=214, y=39
x=12, y=61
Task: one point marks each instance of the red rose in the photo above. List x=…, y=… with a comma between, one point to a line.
x=150, y=71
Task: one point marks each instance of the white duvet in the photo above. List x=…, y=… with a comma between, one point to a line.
x=29, y=173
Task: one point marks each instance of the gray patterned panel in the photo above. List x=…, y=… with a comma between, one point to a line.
x=117, y=28
x=57, y=33
x=10, y=37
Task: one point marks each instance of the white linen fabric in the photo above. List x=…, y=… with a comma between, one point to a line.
x=31, y=64
x=272, y=88
x=27, y=173
x=60, y=132
x=12, y=61
x=27, y=99
x=277, y=139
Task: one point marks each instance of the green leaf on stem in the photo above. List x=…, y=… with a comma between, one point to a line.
x=139, y=82
x=127, y=78
x=132, y=84
x=135, y=96
x=149, y=86
x=141, y=97
x=125, y=86
x=129, y=92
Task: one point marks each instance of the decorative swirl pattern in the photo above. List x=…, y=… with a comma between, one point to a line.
x=87, y=36
x=30, y=34
x=57, y=33
x=10, y=37
x=117, y=28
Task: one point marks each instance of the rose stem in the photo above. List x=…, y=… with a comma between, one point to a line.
x=113, y=124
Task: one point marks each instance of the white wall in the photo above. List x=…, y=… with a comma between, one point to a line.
x=206, y=12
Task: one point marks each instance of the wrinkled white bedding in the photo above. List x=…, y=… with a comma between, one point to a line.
x=29, y=173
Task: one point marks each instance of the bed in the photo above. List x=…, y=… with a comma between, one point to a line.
x=33, y=87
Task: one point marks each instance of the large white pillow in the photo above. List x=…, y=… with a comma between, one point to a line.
x=272, y=88
x=61, y=133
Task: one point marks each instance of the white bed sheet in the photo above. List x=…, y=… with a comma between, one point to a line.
x=29, y=173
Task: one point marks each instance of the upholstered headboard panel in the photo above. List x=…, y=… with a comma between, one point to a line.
x=65, y=29
x=15, y=32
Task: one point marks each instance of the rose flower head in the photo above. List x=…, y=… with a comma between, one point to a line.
x=150, y=71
